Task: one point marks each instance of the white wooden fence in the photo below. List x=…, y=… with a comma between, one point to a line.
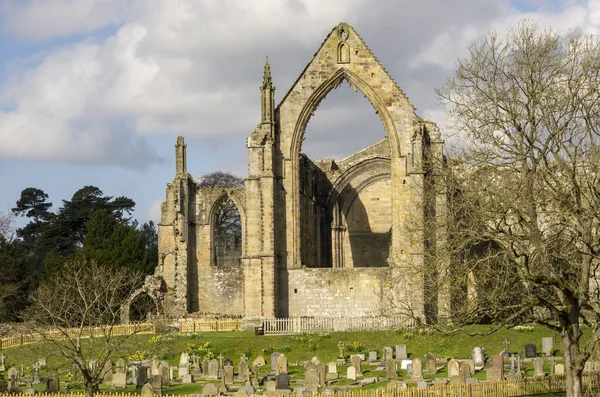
x=312, y=325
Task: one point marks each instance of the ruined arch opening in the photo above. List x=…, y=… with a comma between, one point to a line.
x=226, y=227
x=346, y=129
x=142, y=308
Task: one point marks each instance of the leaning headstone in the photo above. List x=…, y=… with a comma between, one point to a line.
x=282, y=382
x=538, y=367
x=530, y=351
x=355, y=361
x=430, y=363
x=401, y=353
x=321, y=373
x=453, y=369
x=390, y=367
x=156, y=383
x=119, y=381
x=213, y=369
x=107, y=372
x=478, y=358
x=243, y=371
x=387, y=353
x=228, y=375
x=165, y=372
x=274, y=358
x=282, y=364
x=373, y=356
x=559, y=369
x=351, y=373
x=493, y=374
x=547, y=346
x=210, y=389
x=52, y=384
x=465, y=370
x=417, y=369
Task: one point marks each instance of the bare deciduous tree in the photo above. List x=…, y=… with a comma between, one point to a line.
x=76, y=311
x=523, y=238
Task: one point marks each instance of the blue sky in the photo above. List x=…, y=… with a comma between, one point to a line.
x=94, y=92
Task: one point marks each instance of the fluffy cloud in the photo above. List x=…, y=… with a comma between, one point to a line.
x=193, y=67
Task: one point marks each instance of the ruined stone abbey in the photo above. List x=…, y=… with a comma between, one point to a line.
x=320, y=237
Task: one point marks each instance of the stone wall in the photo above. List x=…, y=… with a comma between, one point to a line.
x=220, y=290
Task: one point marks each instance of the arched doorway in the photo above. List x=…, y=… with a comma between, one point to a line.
x=226, y=229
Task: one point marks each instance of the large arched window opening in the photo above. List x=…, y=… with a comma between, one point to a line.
x=142, y=308
x=226, y=233
x=344, y=129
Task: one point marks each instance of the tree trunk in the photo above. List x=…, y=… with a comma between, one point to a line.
x=573, y=369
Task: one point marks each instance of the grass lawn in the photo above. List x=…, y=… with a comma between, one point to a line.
x=297, y=348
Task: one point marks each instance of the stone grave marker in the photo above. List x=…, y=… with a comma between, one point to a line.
x=417, y=369
x=36, y=374
x=210, y=389
x=228, y=375
x=282, y=381
x=187, y=379
x=478, y=358
x=165, y=372
x=147, y=390
x=270, y=385
x=156, y=383
x=322, y=373
x=430, y=363
x=204, y=366
x=332, y=373
x=559, y=369
x=453, y=369
x=52, y=384
x=390, y=367
x=213, y=369
x=184, y=358
x=119, y=381
x=494, y=374
x=530, y=351
x=184, y=369
x=466, y=370
x=2, y=362
x=154, y=367
x=142, y=377
x=258, y=361
x=457, y=380
x=387, y=353
x=401, y=353
x=373, y=356
x=228, y=361
x=120, y=367
x=247, y=389
x=497, y=361
x=355, y=361
x=107, y=372
x=282, y=364
x=547, y=346
x=274, y=358
x=311, y=375
x=12, y=373
x=243, y=371
x=351, y=373
x=538, y=367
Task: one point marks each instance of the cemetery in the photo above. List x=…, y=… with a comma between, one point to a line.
x=241, y=363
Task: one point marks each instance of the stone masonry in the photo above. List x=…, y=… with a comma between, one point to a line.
x=320, y=237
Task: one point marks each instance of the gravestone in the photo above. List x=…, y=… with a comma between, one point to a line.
x=538, y=367
x=497, y=361
x=107, y=372
x=430, y=363
x=387, y=353
x=417, y=369
x=322, y=373
x=12, y=373
x=547, y=346
x=119, y=381
x=2, y=362
x=243, y=372
x=228, y=375
x=530, y=351
x=351, y=373
x=258, y=361
x=142, y=377
x=228, y=361
x=466, y=370
x=187, y=379
x=457, y=380
x=390, y=367
x=247, y=390
x=311, y=376
x=184, y=369
x=401, y=353
x=205, y=366
x=210, y=389
x=147, y=390
x=270, y=385
x=156, y=383
x=36, y=373
x=332, y=368
x=494, y=374
x=274, y=358
x=373, y=356
x=355, y=361
x=120, y=367
x=559, y=369
x=164, y=370
x=213, y=369
x=478, y=358
x=184, y=358
x=52, y=384
x=282, y=364
x=154, y=367
x=453, y=369
x=282, y=381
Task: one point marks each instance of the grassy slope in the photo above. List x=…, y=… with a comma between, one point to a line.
x=301, y=348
